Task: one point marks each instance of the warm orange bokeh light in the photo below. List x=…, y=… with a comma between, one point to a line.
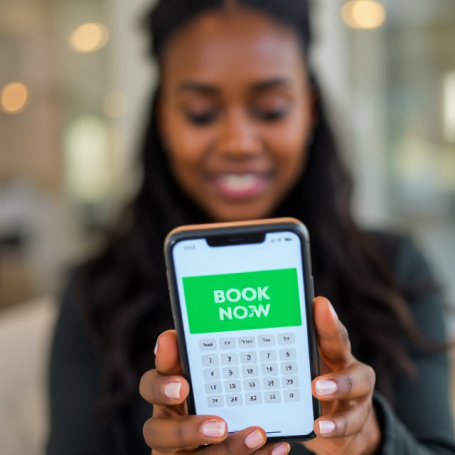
x=89, y=38
x=14, y=98
x=364, y=14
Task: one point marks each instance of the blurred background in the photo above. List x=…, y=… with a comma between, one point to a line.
x=74, y=83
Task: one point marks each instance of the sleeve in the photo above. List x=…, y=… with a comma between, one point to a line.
x=421, y=422
x=397, y=439
x=73, y=388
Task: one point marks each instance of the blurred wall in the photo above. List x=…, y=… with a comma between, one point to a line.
x=134, y=75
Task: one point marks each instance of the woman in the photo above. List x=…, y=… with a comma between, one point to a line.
x=237, y=131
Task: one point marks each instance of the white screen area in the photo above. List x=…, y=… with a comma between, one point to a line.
x=249, y=377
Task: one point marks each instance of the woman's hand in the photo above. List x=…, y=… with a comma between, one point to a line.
x=172, y=430
x=348, y=424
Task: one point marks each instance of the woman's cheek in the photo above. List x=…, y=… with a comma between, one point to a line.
x=288, y=151
x=190, y=144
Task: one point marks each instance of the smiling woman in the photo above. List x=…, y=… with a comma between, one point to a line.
x=235, y=113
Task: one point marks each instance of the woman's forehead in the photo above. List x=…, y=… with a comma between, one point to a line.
x=241, y=44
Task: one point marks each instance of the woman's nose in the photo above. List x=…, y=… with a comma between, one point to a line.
x=239, y=137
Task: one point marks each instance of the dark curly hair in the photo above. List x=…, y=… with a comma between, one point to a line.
x=124, y=291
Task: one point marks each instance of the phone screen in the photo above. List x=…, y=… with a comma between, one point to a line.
x=244, y=321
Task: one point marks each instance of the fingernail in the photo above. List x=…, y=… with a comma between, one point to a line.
x=282, y=449
x=172, y=390
x=333, y=311
x=254, y=440
x=326, y=387
x=326, y=426
x=213, y=428
x=156, y=346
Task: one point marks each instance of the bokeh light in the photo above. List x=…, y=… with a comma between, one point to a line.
x=14, y=98
x=89, y=38
x=449, y=107
x=87, y=159
x=364, y=14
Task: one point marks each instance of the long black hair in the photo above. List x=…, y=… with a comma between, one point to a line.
x=124, y=290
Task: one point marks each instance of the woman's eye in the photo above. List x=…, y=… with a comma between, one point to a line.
x=270, y=116
x=202, y=119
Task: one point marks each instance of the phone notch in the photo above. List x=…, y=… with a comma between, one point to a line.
x=230, y=240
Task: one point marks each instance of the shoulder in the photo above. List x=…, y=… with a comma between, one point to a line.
x=71, y=336
x=401, y=253
x=416, y=280
x=73, y=382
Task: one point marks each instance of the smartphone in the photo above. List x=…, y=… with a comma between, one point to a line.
x=242, y=298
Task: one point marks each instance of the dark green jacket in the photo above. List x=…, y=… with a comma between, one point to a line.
x=420, y=423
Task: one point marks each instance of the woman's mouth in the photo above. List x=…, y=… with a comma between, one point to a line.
x=240, y=186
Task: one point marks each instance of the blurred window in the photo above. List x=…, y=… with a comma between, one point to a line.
x=420, y=62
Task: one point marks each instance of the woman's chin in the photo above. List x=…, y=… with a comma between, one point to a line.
x=239, y=212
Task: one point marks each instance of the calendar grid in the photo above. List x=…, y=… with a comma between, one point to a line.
x=250, y=370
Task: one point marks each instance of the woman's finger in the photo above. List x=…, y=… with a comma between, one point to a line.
x=343, y=424
x=167, y=353
x=333, y=339
x=164, y=390
x=186, y=432
x=189, y=432
x=356, y=381
x=282, y=448
x=242, y=443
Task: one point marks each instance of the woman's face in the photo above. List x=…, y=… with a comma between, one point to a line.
x=235, y=113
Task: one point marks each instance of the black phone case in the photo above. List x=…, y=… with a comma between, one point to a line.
x=237, y=229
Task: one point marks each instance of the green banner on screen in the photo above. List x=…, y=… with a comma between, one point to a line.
x=243, y=301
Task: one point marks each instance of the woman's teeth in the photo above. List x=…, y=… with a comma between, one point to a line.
x=239, y=182
x=240, y=186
